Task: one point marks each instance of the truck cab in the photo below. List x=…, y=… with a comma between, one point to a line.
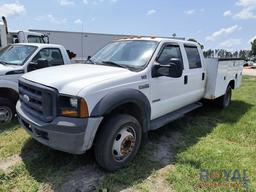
x=8, y=38
x=129, y=87
x=17, y=59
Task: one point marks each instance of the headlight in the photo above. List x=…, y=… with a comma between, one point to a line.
x=72, y=107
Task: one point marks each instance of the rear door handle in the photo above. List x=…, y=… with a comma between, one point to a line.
x=185, y=79
x=203, y=76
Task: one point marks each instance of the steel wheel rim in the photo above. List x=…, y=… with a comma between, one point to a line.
x=124, y=143
x=5, y=115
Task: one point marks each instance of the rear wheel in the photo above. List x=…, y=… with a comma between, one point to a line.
x=224, y=101
x=7, y=111
x=118, y=142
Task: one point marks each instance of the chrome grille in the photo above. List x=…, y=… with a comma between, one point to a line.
x=38, y=100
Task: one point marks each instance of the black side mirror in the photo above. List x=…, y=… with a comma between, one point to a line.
x=40, y=64
x=174, y=69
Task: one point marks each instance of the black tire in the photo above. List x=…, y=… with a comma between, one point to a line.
x=7, y=111
x=110, y=134
x=225, y=100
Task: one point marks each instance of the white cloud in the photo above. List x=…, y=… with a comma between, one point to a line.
x=223, y=32
x=246, y=3
x=227, y=13
x=96, y=2
x=246, y=13
x=78, y=21
x=51, y=19
x=66, y=2
x=190, y=12
x=151, y=12
x=194, y=11
x=230, y=43
x=12, y=9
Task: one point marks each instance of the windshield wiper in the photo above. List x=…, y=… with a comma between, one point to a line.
x=3, y=62
x=115, y=64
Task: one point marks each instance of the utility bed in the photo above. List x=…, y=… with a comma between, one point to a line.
x=220, y=72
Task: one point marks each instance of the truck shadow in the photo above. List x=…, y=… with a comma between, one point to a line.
x=11, y=126
x=65, y=172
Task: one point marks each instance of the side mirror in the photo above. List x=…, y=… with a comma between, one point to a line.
x=40, y=64
x=174, y=69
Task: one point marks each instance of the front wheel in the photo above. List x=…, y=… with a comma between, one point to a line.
x=225, y=100
x=118, y=142
x=7, y=111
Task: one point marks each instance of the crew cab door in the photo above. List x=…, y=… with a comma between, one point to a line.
x=167, y=93
x=196, y=73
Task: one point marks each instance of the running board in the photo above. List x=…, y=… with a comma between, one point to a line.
x=161, y=121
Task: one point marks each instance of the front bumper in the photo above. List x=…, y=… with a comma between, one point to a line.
x=63, y=133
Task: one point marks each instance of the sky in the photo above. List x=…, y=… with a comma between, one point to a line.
x=227, y=24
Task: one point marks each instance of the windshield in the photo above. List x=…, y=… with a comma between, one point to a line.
x=130, y=53
x=16, y=54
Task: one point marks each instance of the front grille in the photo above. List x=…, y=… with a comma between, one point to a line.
x=38, y=100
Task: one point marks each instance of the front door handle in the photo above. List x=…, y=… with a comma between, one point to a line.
x=185, y=79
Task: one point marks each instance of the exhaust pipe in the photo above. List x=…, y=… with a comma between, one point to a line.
x=5, y=24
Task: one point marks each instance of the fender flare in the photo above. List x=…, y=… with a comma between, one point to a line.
x=112, y=100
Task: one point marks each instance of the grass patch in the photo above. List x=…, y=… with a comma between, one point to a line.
x=210, y=139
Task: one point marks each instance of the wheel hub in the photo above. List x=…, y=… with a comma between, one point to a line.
x=5, y=115
x=124, y=144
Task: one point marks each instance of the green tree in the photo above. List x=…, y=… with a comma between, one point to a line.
x=253, y=51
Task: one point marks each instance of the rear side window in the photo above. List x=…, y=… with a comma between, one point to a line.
x=169, y=52
x=194, y=58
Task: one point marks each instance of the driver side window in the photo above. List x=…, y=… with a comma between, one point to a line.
x=52, y=55
x=169, y=52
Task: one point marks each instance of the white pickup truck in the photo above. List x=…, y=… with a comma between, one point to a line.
x=129, y=87
x=17, y=59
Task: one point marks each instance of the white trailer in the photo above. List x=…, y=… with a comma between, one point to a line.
x=80, y=43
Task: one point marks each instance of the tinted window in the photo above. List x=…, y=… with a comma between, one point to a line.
x=52, y=55
x=194, y=58
x=169, y=52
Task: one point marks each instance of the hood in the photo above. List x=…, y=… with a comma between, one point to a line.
x=7, y=68
x=70, y=79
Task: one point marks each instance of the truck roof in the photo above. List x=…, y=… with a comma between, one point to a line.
x=41, y=45
x=159, y=39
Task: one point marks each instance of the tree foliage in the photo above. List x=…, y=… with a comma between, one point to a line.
x=253, y=50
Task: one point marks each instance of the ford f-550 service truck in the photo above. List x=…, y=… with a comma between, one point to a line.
x=17, y=59
x=129, y=87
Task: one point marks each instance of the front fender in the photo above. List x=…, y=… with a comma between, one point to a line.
x=118, y=98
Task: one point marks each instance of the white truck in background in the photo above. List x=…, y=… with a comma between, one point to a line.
x=129, y=87
x=7, y=38
x=20, y=58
